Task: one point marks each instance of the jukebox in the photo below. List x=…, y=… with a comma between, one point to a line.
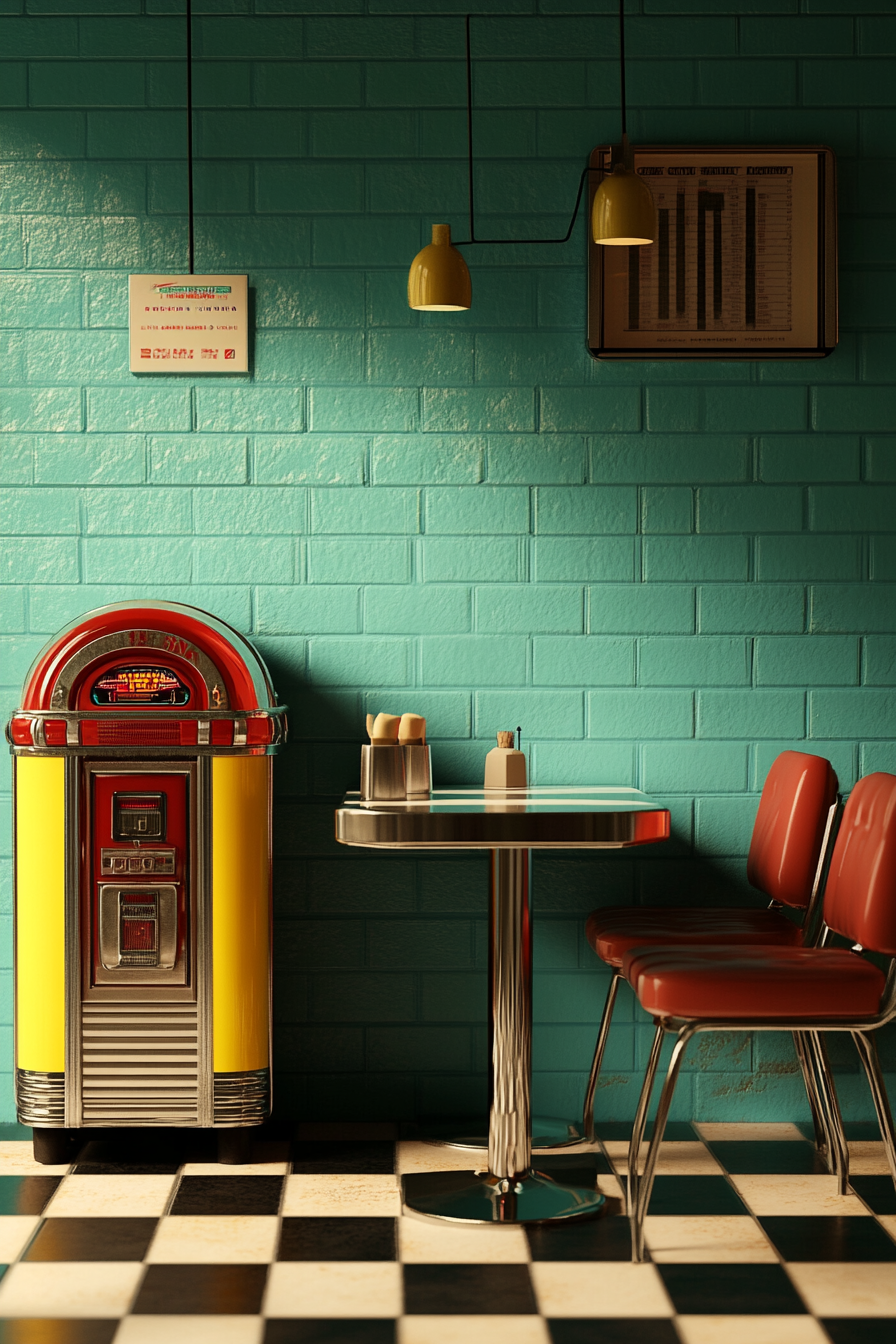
x=143, y=876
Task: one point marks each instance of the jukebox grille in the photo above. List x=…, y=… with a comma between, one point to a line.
x=140, y=1063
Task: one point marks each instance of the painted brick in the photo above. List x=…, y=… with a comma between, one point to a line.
x=694, y=767
x=882, y=564
x=747, y=609
x=707, y=660
x=725, y=825
x=806, y=660
x=312, y=459
x=877, y=756
x=853, y=408
x=75, y=357
x=483, y=509
x=354, y=560
x=674, y=409
x=667, y=509
x=558, y=559
x=860, y=607
x=527, y=609
x=176, y=459
x=85, y=84
x=308, y=356
x=696, y=559
x=474, y=410
x=638, y=609
x=852, y=508
x=583, y=661
x=46, y=408
x=252, y=511
x=26, y=134
x=356, y=511
x=543, y=714
x=314, y=300
x=545, y=459
x=582, y=763
x=55, y=301
x=797, y=36
x=470, y=660
x=418, y=1047
x=411, y=611
x=130, y=512
x=271, y=241
x=362, y=996
x=809, y=457
x=437, y=942
x=94, y=459
x=321, y=609
x=818, y=557
x=308, y=188
x=138, y=408
x=431, y=358
x=585, y=509
x=880, y=458
x=438, y=459
x=280, y=83
x=12, y=610
x=388, y=241
x=245, y=560
x=590, y=410
x=879, y=660
x=749, y=508
x=106, y=559
x=752, y=713
x=397, y=188
x=17, y=459
x=848, y=83
x=749, y=83
x=638, y=714
x=12, y=242
x=851, y=714
x=243, y=409
x=470, y=560
x=358, y=408
x=455, y=997
x=358, y=662
x=840, y=755
x=54, y=605
x=546, y=358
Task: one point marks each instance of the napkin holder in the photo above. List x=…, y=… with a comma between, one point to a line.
x=418, y=771
x=383, y=774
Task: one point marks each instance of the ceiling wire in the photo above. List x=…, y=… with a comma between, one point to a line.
x=190, y=235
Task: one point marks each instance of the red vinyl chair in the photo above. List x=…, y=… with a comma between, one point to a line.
x=801, y=989
x=791, y=836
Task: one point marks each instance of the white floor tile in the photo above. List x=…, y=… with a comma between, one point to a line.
x=346, y=1196
x=749, y=1330
x=219, y=1239
x=17, y=1159
x=722, y=1131
x=848, y=1289
x=92, y=1289
x=247, y=1169
x=439, y=1157
x=888, y=1222
x=779, y=1196
x=195, y=1329
x=615, y=1288
x=868, y=1159
x=111, y=1197
x=334, y=1289
x=724, y=1240
x=425, y=1243
x=472, y=1330
x=15, y=1231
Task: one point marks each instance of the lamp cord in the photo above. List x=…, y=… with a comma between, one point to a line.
x=465, y=242
x=190, y=232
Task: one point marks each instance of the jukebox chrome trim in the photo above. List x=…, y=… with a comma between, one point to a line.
x=242, y=1099
x=40, y=1099
x=202, y=747
x=72, y=942
x=124, y=641
x=202, y=883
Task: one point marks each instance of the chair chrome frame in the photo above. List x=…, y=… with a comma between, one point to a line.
x=640, y=1185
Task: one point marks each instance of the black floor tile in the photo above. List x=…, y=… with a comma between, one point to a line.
x=134, y=1155
x=638, y=1330
x=53, y=1330
x=878, y=1192
x=730, y=1290
x=468, y=1290
x=356, y=1157
x=26, y=1194
x=92, y=1239
x=337, y=1239
x=346, y=1331
x=201, y=1290
x=694, y=1195
x=573, y=1168
x=607, y=1238
x=858, y=1329
x=785, y=1158
x=830, y=1238
x=228, y=1194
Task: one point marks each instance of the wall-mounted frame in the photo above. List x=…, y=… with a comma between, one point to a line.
x=188, y=324
x=744, y=265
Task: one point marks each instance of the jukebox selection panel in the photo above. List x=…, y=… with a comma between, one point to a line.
x=140, y=877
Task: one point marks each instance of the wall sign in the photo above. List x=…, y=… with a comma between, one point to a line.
x=744, y=264
x=188, y=324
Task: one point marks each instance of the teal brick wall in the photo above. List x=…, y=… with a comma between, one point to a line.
x=666, y=572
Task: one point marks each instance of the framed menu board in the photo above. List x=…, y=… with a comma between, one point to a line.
x=188, y=324
x=743, y=266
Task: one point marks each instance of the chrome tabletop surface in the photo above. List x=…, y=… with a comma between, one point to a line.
x=551, y=817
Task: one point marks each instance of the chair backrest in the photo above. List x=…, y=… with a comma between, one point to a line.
x=791, y=823
x=860, y=895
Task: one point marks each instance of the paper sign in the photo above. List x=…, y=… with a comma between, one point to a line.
x=188, y=323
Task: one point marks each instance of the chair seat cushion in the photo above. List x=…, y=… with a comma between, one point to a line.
x=750, y=983
x=618, y=929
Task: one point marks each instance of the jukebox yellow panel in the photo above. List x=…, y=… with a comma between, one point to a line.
x=40, y=914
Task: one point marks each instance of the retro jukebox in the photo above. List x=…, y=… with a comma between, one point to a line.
x=143, y=872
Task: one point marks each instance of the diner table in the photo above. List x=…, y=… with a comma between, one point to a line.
x=510, y=824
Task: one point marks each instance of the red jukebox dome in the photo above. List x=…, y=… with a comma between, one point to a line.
x=143, y=874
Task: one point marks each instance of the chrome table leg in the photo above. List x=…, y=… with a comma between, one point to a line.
x=511, y=1191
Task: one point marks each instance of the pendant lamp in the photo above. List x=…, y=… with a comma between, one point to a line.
x=623, y=212
x=439, y=281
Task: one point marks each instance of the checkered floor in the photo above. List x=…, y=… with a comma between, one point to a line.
x=748, y=1240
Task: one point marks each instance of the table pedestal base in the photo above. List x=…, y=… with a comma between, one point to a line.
x=465, y=1197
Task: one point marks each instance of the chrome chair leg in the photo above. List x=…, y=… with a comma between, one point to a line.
x=645, y=1184
x=838, y=1157
x=600, y=1047
x=867, y=1048
x=822, y=1137
x=640, y=1122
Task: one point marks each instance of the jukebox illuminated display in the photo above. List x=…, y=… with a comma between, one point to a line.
x=143, y=875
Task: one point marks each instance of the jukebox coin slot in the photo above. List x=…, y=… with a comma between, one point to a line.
x=138, y=926
x=138, y=816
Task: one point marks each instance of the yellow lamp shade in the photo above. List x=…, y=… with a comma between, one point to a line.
x=623, y=212
x=438, y=280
